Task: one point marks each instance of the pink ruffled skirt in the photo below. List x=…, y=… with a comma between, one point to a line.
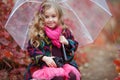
x=47, y=73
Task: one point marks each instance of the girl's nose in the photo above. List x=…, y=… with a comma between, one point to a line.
x=50, y=19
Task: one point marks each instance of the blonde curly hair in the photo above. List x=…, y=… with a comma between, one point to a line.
x=36, y=31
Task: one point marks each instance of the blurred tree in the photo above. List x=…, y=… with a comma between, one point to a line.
x=12, y=59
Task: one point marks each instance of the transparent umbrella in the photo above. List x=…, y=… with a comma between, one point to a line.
x=86, y=19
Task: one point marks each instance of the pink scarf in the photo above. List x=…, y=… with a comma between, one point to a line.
x=54, y=35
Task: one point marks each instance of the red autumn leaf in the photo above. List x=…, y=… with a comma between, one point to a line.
x=19, y=54
x=11, y=2
x=117, y=62
x=4, y=41
x=13, y=45
x=8, y=54
x=16, y=74
x=6, y=34
x=117, y=78
x=3, y=74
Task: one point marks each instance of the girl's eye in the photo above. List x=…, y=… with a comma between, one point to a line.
x=46, y=16
x=53, y=16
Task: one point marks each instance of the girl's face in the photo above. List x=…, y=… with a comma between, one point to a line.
x=51, y=18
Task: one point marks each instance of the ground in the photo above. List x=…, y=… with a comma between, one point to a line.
x=100, y=64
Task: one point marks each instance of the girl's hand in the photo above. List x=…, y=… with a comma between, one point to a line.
x=49, y=61
x=63, y=40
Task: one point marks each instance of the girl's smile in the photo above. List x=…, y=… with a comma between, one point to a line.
x=51, y=18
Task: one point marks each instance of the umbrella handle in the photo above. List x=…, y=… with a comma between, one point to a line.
x=65, y=56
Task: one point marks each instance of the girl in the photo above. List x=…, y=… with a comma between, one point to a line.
x=47, y=35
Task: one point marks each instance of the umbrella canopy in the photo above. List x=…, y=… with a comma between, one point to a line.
x=86, y=19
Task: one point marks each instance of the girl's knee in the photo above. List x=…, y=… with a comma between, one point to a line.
x=58, y=78
x=72, y=76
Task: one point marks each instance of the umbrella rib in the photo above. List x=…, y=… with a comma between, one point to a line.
x=79, y=21
x=33, y=1
x=102, y=7
x=23, y=46
x=13, y=13
x=14, y=9
x=64, y=1
x=40, y=2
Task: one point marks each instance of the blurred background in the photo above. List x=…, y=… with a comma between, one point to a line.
x=97, y=61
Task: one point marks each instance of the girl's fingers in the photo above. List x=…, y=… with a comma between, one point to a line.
x=52, y=65
x=63, y=40
x=51, y=62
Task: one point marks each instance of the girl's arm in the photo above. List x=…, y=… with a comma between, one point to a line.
x=72, y=43
x=35, y=53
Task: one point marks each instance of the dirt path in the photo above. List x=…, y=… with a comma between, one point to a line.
x=100, y=65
